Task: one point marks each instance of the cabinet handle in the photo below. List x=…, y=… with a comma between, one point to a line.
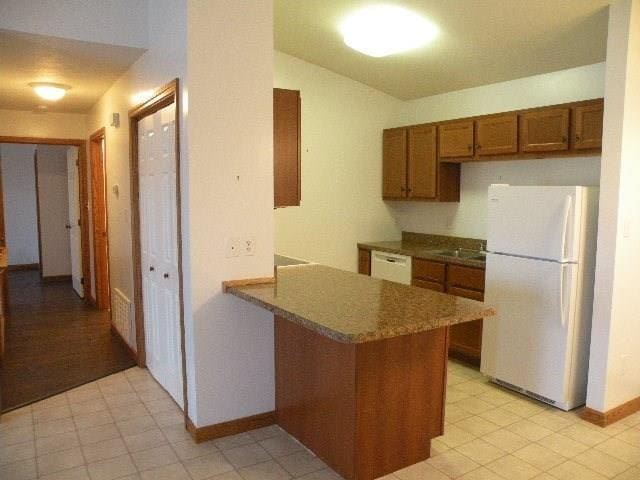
x=409, y=190
x=402, y=189
x=478, y=146
x=166, y=275
x=577, y=138
x=151, y=268
x=470, y=147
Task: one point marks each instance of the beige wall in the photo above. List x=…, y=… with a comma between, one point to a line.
x=163, y=62
x=342, y=122
x=53, y=199
x=230, y=63
x=49, y=125
x=614, y=375
x=469, y=217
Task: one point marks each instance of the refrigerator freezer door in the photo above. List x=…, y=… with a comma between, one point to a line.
x=535, y=222
x=528, y=344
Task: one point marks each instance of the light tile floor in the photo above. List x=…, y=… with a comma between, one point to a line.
x=126, y=427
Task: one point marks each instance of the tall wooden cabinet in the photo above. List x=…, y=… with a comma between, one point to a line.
x=410, y=167
x=286, y=147
x=394, y=163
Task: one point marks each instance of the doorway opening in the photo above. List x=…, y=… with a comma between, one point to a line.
x=52, y=338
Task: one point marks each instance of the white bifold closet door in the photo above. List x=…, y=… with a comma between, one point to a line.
x=73, y=224
x=159, y=247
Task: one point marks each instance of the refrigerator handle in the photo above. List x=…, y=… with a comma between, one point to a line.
x=565, y=225
x=563, y=320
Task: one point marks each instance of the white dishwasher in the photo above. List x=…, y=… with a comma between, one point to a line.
x=391, y=266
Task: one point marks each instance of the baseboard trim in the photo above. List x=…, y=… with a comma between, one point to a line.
x=132, y=352
x=24, y=266
x=232, y=427
x=604, y=419
x=56, y=278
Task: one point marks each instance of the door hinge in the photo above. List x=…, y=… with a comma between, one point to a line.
x=79, y=223
x=81, y=280
x=77, y=163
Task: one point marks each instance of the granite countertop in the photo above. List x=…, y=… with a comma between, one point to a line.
x=353, y=308
x=421, y=250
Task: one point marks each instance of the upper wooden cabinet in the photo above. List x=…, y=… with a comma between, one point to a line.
x=286, y=147
x=422, y=163
x=588, y=126
x=456, y=139
x=497, y=135
x=394, y=163
x=544, y=130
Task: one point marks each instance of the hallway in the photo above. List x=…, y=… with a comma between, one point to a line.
x=54, y=342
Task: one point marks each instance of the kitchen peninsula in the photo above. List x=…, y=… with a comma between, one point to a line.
x=360, y=364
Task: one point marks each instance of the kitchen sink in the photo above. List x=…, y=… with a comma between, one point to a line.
x=462, y=253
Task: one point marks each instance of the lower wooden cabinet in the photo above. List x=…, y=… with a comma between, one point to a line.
x=465, y=339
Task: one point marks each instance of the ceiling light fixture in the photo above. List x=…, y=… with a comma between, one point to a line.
x=381, y=30
x=50, y=91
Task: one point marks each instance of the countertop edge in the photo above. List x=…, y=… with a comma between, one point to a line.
x=357, y=338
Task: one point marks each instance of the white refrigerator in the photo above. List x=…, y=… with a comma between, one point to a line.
x=539, y=277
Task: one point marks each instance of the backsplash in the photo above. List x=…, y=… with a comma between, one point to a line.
x=444, y=241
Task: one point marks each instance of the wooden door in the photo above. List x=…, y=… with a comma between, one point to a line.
x=544, y=130
x=157, y=168
x=286, y=147
x=394, y=163
x=100, y=220
x=497, y=135
x=422, y=181
x=588, y=126
x=456, y=139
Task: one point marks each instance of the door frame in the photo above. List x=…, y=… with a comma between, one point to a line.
x=162, y=97
x=83, y=194
x=101, y=300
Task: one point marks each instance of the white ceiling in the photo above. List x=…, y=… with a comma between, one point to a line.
x=89, y=68
x=481, y=41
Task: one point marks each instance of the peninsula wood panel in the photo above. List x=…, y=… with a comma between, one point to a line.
x=328, y=396
x=456, y=139
x=364, y=261
x=497, y=135
x=394, y=163
x=588, y=126
x=286, y=147
x=423, y=163
x=544, y=130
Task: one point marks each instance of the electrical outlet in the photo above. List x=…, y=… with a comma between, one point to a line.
x=233, y=247
x=249, y=246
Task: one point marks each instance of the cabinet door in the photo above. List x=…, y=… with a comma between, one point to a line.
x=364, y=261
x=394, y=163
x=286, y=147
x=588, y=121
x=423, y=163
x=456, y=139
x=438, y=287
x=497, y=135
x=544, y=130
